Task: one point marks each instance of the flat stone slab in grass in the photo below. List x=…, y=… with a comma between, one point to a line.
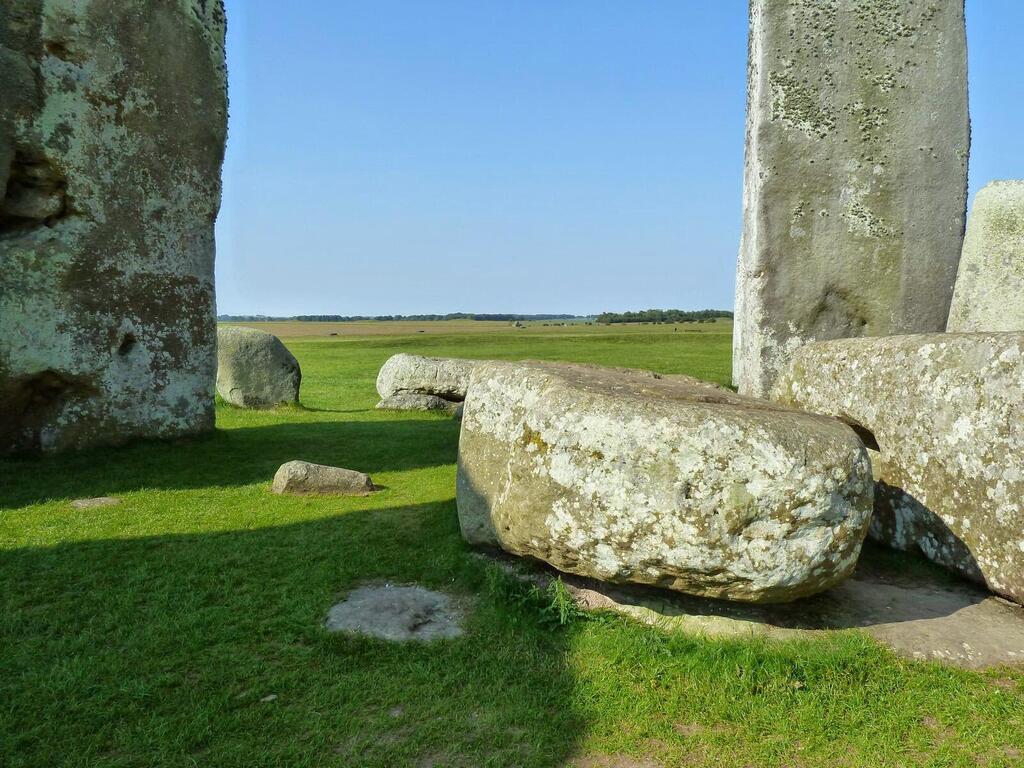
x=920, y=616
x=99, y=501
x=397, y=613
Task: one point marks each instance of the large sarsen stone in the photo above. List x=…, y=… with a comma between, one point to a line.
x=855, y=185
x=631, y=477
x=112, y=124
x=947, y=414
x=444, y=377
x=989, y=293
x=254, y=369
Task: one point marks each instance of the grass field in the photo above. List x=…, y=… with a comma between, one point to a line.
x=184, y=626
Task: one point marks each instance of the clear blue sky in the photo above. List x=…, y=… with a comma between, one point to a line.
x=412, y=156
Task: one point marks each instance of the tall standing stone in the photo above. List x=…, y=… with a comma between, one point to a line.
x=989, y=294
x=855, y=186
x=112, y=124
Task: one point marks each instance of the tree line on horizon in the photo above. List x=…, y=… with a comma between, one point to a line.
x=664, y=316
x=415, y=318
x=607, y=318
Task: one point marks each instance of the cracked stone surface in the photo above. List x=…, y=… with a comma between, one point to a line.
x=855, y=184
x=397, y=613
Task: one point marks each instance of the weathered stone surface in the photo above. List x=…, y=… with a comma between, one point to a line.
x=302, y=477
x=445, y=377
x=111, y=140
x=856, y=175
x=407, y=401
x=947, y=414
x=397, y=613
x=628, y=477
x=989, y=293
x=254, y=369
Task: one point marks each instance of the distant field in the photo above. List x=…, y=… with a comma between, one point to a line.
x=296, y=330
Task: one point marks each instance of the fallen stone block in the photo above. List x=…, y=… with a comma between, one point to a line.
x=944, y=414
x=446, y=378
x=626, y=476
x=303, y=477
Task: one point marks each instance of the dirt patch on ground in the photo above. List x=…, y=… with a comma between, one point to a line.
x=613, y=761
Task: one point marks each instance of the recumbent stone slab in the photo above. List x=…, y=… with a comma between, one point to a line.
x=111, y=141
x=444, y=377
x=626, y=476
x=855, y=185
x=946, y=412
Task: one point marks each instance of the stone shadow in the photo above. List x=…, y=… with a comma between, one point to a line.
x=165, y=650
x=226, y=458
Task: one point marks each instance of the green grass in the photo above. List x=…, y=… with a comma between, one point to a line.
x=155, y=632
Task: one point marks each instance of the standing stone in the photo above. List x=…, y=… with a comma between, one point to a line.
x=255, y=369
x=989, y=293
x=856, y=175
x=112, y=133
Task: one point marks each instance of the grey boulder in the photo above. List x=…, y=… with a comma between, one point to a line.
x=945, y=413
x=302, y=477
x=446, y=378
x=626, y=476
x=254, y=369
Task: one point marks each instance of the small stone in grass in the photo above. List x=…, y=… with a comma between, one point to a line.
x=302, y=477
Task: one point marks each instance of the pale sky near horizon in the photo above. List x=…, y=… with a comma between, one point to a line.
x=433, y=156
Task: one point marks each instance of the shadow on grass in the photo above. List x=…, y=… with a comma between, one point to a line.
x=230, y=457
x=211, y=648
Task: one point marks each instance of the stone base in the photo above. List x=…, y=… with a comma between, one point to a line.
x=926, y=615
